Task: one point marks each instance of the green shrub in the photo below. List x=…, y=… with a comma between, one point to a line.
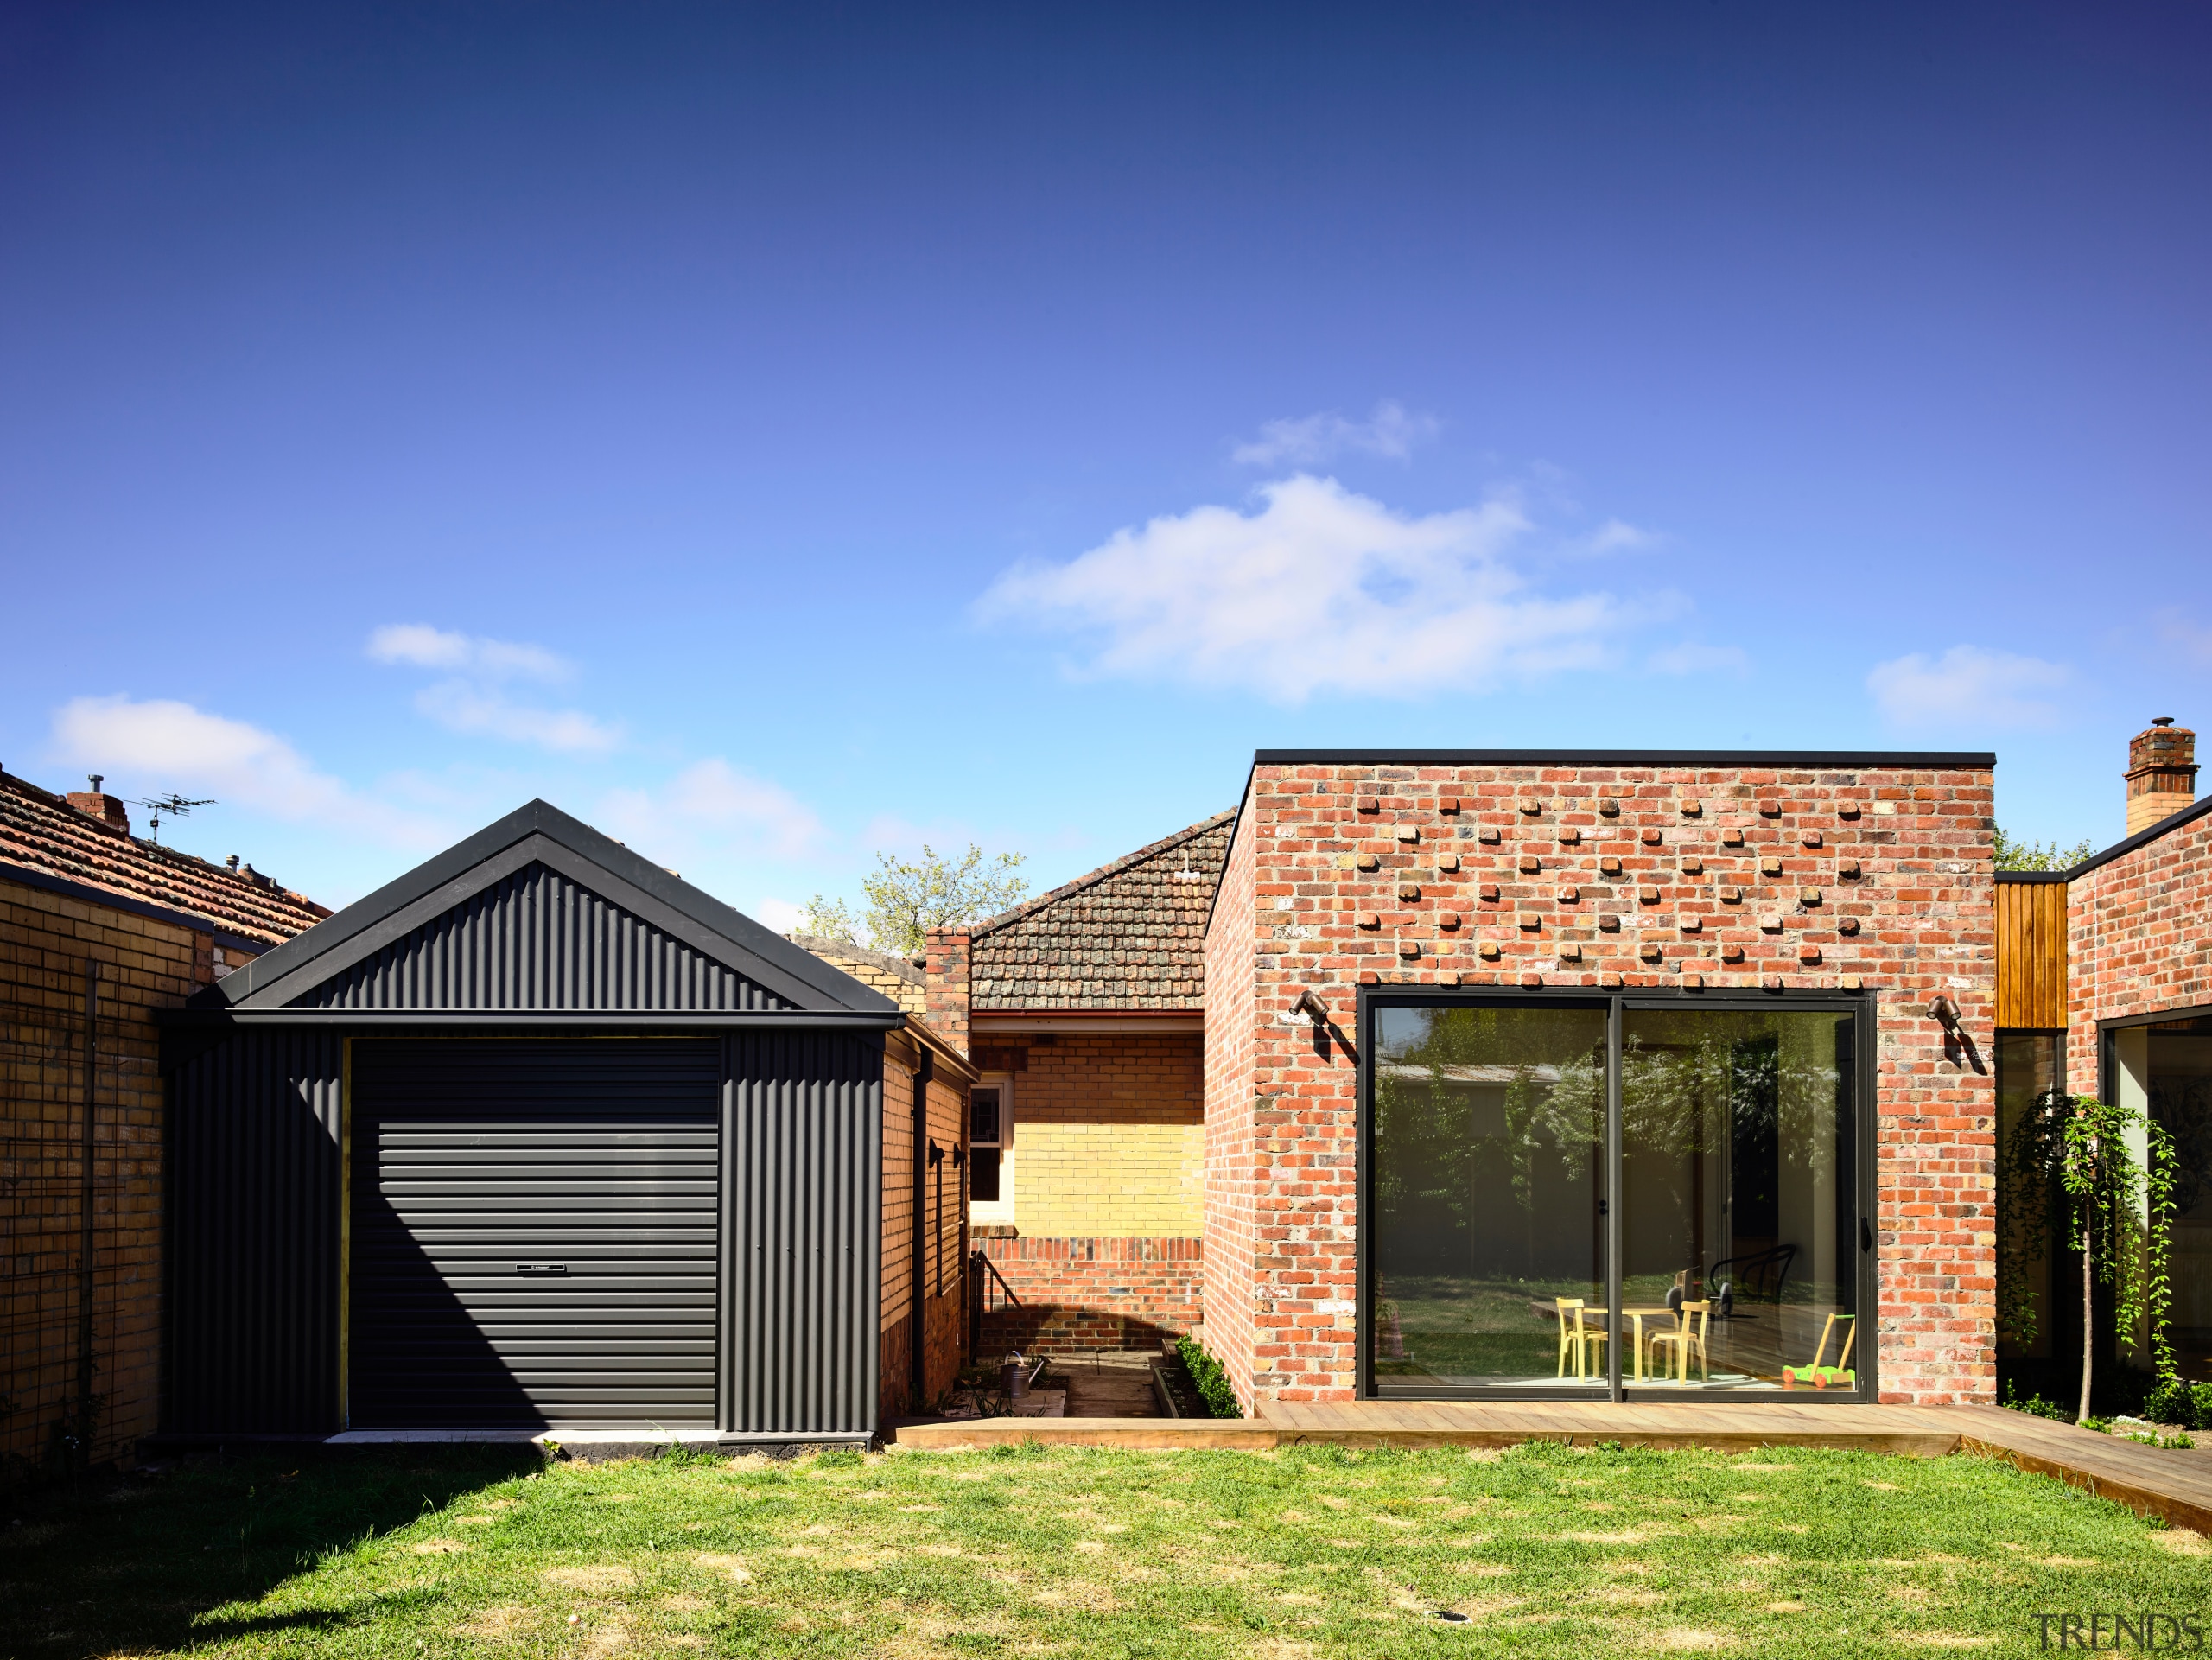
x=2036, y=1406
x=1212, y=1382
x=2187, y=1405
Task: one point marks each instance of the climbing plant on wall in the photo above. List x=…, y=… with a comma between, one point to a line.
x=2068, y=1164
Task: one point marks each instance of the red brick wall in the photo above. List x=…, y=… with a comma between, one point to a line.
x=945, y=1286
x=1233, y=1199
x=2138, y=939
x=1092, y=1293
x=1311, y=897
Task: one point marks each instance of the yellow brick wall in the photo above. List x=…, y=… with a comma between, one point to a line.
x=1108, y=1134
x=902, y=991
x=144, y=964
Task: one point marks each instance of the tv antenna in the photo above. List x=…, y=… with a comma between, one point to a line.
x=176, y=806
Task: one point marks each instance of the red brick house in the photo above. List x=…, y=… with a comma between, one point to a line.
x=99, y=929
x=2105, y=989
x=1490, y=1034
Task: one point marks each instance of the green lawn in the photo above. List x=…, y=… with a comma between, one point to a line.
x=1308, y=1552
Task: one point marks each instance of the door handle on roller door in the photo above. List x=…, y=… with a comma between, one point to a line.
x=541, y=1268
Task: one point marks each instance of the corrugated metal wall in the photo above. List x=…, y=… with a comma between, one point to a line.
x=537, y=941
x=254, y=1196
x=801, y=1177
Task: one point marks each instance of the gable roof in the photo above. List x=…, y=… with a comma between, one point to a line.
x=1129, y=935
x=45, y=842
x=539, y=914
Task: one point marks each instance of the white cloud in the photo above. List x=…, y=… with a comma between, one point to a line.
x=1314, y=439
x=1689, y=658
x=1617, y=535
x=1318, y=590
x=474, y=702
x=1967, y=686
x=712, y=811
x=425, y=647
x=173, y=746
x=461, y=706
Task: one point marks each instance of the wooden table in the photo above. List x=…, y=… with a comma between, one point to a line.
x=1637, y=1315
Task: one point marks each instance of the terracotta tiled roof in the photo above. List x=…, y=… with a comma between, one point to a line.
x=44, y=835
x=1129, y=935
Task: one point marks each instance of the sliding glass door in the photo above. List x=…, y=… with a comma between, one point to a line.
x=1485, y=1177
x=1498, y=1132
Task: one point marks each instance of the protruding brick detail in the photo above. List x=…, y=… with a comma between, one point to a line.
x=1281, y=1121
x=2161, y=772
x=944, y=985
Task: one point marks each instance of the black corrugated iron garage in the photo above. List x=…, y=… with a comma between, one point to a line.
x=540, y=1239
x=537, y=1137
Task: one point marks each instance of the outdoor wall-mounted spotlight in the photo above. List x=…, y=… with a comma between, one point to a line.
x=1311, y=1007
x=1945, y=1013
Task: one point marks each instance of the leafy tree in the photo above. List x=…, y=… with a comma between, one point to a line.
x=830, y=919
x=907, y=899
x=2039, y=855
x=2070, y=1164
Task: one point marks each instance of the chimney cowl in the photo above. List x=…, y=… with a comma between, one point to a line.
x=2161, y=772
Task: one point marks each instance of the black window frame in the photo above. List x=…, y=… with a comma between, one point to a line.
x=1862, y=1006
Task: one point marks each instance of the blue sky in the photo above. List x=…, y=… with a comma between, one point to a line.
x=776, y=436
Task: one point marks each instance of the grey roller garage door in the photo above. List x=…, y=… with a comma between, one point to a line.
x=534, y=1232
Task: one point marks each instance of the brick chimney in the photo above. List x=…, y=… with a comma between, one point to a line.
x=109, y=809
x=2161, y=772
x=944, y=985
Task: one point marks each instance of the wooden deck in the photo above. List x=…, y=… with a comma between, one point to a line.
x=2176, y=1486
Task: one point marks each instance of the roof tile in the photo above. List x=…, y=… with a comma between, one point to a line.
x=1129, y=935
x=45, y=834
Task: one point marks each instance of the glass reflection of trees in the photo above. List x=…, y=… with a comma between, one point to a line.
x=1772, y=1082
x=1553, y=1104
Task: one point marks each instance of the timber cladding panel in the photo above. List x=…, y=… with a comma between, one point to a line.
x=2030, y=954
x=1866, y=877
x=45, y=940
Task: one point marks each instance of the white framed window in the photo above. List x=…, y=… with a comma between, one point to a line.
x=990, y=1150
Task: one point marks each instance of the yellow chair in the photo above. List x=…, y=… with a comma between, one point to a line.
x=1580, y=1337
x=1689, y=1334
x=1820, y=1376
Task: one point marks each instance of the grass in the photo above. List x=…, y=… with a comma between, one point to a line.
x=1313, y=1553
